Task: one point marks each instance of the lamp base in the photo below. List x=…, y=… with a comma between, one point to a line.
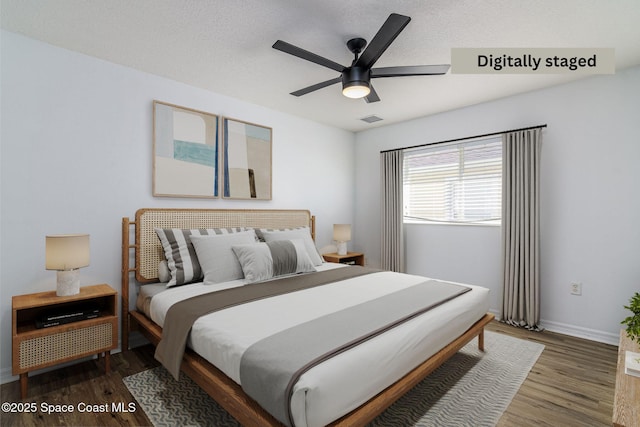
x=342, y=248
x=68, y=283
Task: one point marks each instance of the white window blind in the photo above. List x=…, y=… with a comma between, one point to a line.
x=454, y=183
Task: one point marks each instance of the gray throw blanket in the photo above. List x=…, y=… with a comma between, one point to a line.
x=270, y=368
x=181, y=315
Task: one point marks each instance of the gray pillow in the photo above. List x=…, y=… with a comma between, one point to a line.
x=303, y=233
x=262, y=261
x=219, y=263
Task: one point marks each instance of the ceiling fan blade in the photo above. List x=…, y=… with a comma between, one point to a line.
x=316, y=86
x=373, y=96
x=384, y=37
x=309, y=56
x=413, y=70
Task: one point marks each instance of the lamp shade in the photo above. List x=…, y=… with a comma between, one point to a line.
x=67, y=252
x=341, y=232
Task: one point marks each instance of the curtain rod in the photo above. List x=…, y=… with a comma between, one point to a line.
x=462, y=139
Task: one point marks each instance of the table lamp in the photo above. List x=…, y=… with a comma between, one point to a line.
x=342, y=234
x=67, y=253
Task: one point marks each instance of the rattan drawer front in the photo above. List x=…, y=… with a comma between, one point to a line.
x=47, y=349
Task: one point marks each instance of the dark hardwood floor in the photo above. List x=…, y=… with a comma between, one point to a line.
x=84, y=382
x=572, y=384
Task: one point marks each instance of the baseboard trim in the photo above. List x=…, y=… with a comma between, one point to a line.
x=573, y=331
x=6, y=376
x=580, y=332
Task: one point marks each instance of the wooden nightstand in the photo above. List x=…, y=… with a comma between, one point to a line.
x=35, y=348
x=354, y=258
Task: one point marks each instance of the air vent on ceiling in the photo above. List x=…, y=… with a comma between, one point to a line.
x=371, y=119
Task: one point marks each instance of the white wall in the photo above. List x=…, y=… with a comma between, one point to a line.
x=590, y=229
x=76, y=158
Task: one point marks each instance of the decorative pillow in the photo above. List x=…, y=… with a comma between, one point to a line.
x=219, y=263
x=262, y=261
x=164, y=275
x=180, y=254
x=260, y=231
x=303, y=233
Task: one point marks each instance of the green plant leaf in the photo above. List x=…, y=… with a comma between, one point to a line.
x=633, y=322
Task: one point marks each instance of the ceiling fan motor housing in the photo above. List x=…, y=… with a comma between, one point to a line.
x=356, y=76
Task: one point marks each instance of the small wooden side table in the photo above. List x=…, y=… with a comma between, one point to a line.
x=35, y=348
x=626, y=403
x=353, y=258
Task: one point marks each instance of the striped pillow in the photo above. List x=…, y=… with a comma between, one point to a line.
x=262, y=261
x=304, y=233
x=180, y=254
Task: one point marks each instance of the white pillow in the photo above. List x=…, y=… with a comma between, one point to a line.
x=219, y=263
x=303, y=233
x=262, y=261
x=181, y=257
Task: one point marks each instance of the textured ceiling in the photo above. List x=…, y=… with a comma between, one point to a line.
x=225, y=45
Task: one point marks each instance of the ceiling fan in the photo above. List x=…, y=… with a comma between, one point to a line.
x=356, y=78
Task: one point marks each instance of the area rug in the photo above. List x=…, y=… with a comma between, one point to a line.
x=471, y=389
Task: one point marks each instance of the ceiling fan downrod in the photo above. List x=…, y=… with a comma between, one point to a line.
x=355, y=46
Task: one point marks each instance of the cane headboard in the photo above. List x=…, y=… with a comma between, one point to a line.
x=149, y=251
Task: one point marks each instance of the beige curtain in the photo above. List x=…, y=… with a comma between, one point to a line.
x=392, y=244
x=521, y=228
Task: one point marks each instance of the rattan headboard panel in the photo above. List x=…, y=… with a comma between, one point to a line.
x=149, y=251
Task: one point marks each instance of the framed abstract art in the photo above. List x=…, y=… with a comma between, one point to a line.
x=185, y=152
x=246, y=160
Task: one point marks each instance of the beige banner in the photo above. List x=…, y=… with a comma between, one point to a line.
x=533, y=61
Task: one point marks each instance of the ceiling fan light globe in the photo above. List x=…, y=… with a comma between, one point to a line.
x=356, y=91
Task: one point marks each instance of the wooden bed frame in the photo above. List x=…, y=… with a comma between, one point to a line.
x=148, y=253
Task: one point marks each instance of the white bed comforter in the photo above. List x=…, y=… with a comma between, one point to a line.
x=346, y=381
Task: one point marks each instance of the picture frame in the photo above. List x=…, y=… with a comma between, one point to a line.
x=246, y=160
x=185, y=152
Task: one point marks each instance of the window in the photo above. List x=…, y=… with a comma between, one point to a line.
x=454, y=183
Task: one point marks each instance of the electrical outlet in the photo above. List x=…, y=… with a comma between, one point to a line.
x=576, y=288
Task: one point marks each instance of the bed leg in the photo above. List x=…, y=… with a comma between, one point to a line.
x=481, y=340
